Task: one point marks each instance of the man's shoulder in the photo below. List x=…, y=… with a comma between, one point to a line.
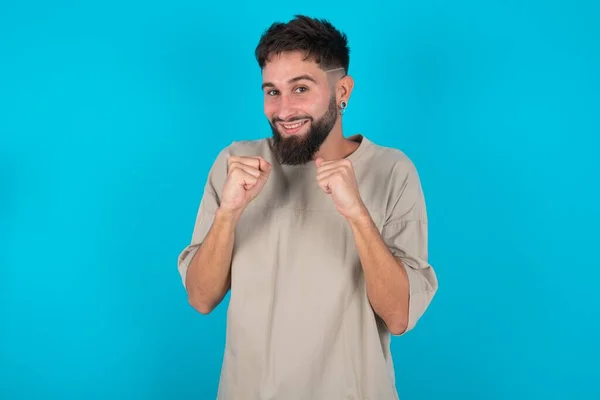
x=249, y=148
x=395, y=170
x=388, y=158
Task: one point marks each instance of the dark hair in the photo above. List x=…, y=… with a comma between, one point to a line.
x=318, y=38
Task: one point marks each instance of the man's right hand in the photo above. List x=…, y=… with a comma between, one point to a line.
x=246, y=176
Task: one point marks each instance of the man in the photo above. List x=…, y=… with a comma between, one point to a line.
x=322, y=239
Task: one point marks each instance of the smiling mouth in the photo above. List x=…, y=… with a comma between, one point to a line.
x=293, y=127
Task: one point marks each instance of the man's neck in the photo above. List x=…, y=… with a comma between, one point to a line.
x=336, y=146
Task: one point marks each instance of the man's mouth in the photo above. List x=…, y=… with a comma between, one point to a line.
x=293, y=127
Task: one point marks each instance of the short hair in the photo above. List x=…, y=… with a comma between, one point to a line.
x=317, y=38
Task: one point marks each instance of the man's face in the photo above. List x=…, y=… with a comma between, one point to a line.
x=300, y=106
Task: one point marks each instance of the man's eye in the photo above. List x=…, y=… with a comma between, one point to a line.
x=272, y=92
x=301, y=89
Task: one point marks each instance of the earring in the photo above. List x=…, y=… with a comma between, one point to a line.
x=343, y=105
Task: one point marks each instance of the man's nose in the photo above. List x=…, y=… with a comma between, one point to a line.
x=286, y=108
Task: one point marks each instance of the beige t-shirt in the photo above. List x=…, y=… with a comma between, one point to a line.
x=299, y=323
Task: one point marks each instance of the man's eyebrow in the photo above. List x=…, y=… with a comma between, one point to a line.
x=304, y=77
x=292, y=80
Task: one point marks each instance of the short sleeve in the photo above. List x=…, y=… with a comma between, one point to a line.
x=206, y=211
x=405, y=233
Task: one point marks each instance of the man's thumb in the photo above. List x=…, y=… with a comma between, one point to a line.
x=265, y=166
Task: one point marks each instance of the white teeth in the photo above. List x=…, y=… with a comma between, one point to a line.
x=293, y=126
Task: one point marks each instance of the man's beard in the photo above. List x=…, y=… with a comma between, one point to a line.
x=298, y=150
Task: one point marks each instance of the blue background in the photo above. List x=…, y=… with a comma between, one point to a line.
x=112, y=112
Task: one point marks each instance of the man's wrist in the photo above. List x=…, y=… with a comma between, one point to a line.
x=361, y=218
x=228, y=216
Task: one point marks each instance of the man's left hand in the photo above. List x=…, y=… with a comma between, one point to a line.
x=337, y=179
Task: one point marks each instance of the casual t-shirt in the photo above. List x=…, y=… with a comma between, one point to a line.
x=299, y=322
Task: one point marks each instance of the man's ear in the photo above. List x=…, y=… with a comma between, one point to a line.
x=343, y=88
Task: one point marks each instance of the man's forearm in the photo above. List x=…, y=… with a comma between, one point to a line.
x=385, y=277
x=209, y=273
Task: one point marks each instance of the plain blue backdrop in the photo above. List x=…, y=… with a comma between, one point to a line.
x=112, y=112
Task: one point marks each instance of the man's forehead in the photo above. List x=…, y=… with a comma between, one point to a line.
x=281, y=71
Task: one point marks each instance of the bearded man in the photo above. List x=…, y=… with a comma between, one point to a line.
x=321, y=239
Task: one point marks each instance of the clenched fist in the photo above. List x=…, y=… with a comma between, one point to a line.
x=337, y=179
x=246, y=176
